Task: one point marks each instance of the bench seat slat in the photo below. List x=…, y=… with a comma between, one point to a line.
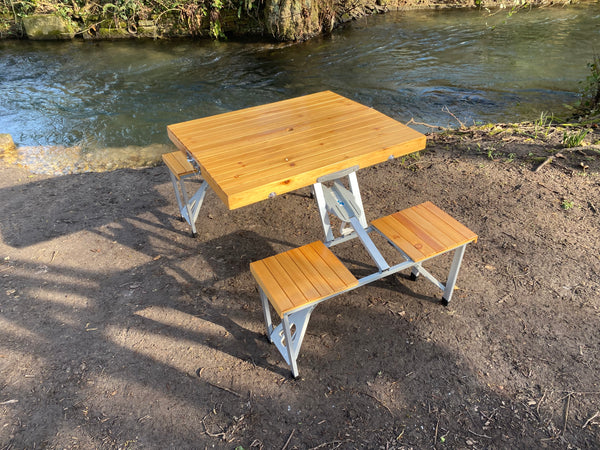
x=308, y=269
x=334, y=272
x=269, y=283
x=424, y=232
x=302, y=279
x=428, y=228
x=293, y=295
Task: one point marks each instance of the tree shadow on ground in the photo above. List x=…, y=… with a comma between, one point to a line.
x=134, y=333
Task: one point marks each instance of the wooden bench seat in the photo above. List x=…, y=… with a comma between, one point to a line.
x=180, y=169
x=301, y=276
x=424, y=231
x=178, y=164
x=294, y=282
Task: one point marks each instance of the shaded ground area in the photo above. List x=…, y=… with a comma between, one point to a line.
x=118, y=329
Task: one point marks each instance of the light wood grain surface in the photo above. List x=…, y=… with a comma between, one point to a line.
x=424, y=231
x=301, y=276
x=250, y=154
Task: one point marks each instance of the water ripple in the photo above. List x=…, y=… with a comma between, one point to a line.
x=416, y=64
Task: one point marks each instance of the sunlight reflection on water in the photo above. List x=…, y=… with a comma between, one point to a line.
x=80, y=106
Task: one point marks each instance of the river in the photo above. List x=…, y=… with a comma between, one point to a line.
x=78, y=105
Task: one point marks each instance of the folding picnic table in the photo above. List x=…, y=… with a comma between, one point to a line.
x=257, y=153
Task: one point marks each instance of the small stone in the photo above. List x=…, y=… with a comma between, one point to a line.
x=47, y=27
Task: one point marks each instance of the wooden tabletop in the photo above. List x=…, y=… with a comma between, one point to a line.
x=251, y=154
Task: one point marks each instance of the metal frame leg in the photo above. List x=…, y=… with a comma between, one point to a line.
x=266, y=313
x=194, y=204
x=289, y=334
x=177, y=195
x=454, y=268
x=186, y=210
x=369, y=244
x=353, y=181
x=414, y=273
x=322, y=205
x=189, y=208
x=289, y=343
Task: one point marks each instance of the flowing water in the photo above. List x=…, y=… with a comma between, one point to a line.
x=76, y=106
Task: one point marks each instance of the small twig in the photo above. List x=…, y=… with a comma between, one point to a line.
x=53, y=255
x=580, y=393
x=288, y=440
x=9, y=402
x=426, y=124
x=436, y=432
x=92, y=26
x=224, y=389
x=567, y=413
x=480, y=435
x=537, y=409
x=547, y=161
x=378, y=401
x=587, y=422
x=325, y=444
x=582, y=147
x=445, y=109
x=221, y=435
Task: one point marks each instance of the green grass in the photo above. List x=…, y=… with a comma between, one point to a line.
x=567, y=204
x=575, y=138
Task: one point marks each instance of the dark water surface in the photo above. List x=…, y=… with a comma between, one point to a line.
x=109, y=101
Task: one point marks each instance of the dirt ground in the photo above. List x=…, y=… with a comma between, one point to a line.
x=120, y=330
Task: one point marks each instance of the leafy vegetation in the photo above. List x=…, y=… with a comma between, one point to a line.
x=574, y=139
x=588, y=109
x=195, y=15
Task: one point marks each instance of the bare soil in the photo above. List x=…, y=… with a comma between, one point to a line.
x=120, y=330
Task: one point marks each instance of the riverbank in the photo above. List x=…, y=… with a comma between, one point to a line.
x=541, y=142
x=121, y=330
x=274, y=19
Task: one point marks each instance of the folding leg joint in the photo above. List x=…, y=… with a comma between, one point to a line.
x=340, y=202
